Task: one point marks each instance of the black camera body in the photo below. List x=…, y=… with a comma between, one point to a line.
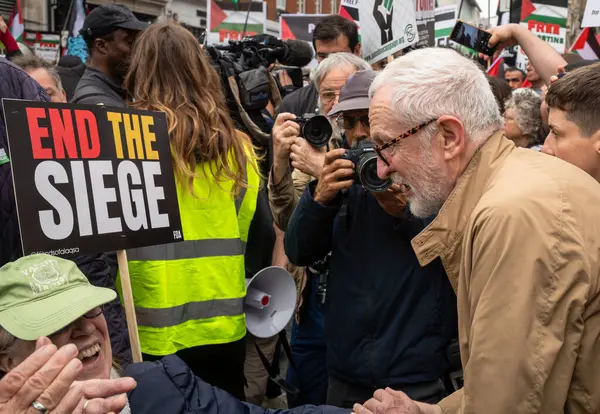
x=364, y=158
x=316, y=129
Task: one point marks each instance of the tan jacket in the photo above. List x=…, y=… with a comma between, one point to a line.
x=520, y=240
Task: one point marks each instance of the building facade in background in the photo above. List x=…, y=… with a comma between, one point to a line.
x=470, y=11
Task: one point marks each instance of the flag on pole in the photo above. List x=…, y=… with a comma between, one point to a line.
x=16, y=22
x=587, y=45
x=495, y=67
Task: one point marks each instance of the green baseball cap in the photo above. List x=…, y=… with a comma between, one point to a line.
x=42, y=294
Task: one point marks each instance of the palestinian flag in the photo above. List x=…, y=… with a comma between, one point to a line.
x=16, y=22
x=349, y=10
x=228, y=19
x=495, y=67
x=587, y=45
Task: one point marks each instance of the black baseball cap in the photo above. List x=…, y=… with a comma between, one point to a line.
x=108, y=18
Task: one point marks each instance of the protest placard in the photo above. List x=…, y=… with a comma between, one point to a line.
x=90, y=179
x=591, y=16
x=387, y=26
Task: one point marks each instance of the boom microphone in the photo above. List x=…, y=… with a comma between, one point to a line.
x=296, y=53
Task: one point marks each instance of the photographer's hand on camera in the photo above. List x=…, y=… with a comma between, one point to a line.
x=393, y=200
x=336, y=175
x=285, y=132
x=307, y=158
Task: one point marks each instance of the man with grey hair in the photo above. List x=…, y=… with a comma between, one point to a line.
x=516, y=230
x=43, y=73
x=286, y=185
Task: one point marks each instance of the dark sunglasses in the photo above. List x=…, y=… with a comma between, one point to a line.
x=350, y=122
x=380, y=148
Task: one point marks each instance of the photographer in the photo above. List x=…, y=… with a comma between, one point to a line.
x=285, y=189
x=386, y=325
x=333, y=34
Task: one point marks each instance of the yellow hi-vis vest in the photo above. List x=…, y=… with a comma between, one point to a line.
x=191, y=293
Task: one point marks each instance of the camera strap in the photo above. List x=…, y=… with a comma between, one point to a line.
x=273, y=371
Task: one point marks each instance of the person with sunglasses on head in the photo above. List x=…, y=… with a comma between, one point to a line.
x=516, y=230
x=388, y=321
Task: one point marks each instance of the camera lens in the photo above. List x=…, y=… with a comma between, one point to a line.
x=318, y=131
x=367, y=172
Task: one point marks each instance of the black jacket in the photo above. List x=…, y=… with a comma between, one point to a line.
x=95, y=88
x=70, y=77
x=170, y=387
x=387, y=320
x=301, y=102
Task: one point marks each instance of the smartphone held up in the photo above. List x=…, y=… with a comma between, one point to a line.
x=472, y=37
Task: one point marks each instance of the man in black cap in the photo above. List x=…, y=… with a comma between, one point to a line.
x=109, y=32
x=388, y=321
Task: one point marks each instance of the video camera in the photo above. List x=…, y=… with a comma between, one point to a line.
x=364, y=158
x=249, y=86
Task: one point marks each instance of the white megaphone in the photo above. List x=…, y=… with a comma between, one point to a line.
x=270, y=302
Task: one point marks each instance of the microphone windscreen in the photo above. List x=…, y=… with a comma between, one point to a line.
x=297, y=53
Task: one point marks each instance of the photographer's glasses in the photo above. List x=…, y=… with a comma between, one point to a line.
x=328, y=96
x=380, y=148
x=350, y=122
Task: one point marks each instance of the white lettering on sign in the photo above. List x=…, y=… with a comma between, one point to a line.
x=64, y=227
x=58, y=223
x=128, y=171
x=154, y=194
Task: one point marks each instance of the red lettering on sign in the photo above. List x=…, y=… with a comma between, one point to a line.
x=87, y=129
x=36, y=133
x=63, y=133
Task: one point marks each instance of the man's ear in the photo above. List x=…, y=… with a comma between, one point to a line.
x=596, y=139
x=358, y=50
x=452, y=135
x=100, y=46
x=64, y=95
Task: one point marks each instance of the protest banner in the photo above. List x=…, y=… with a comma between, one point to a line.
x=591, y=16
x=349, y=10
x=233, y=20
x=92, y=179
x=387, y=26
x=300, y=27
x=445, y=19
x=425, y=17
x=547, y=19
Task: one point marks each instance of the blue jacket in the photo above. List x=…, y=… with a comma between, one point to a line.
x=387, y=320
x=169, y=386
x=14, y=84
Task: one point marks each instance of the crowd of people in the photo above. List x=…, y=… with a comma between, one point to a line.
x=466, y=281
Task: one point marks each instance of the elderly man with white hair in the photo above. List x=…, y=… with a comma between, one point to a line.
x=516, y=230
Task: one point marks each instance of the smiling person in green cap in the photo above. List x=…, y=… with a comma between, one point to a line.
x=45, y=296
